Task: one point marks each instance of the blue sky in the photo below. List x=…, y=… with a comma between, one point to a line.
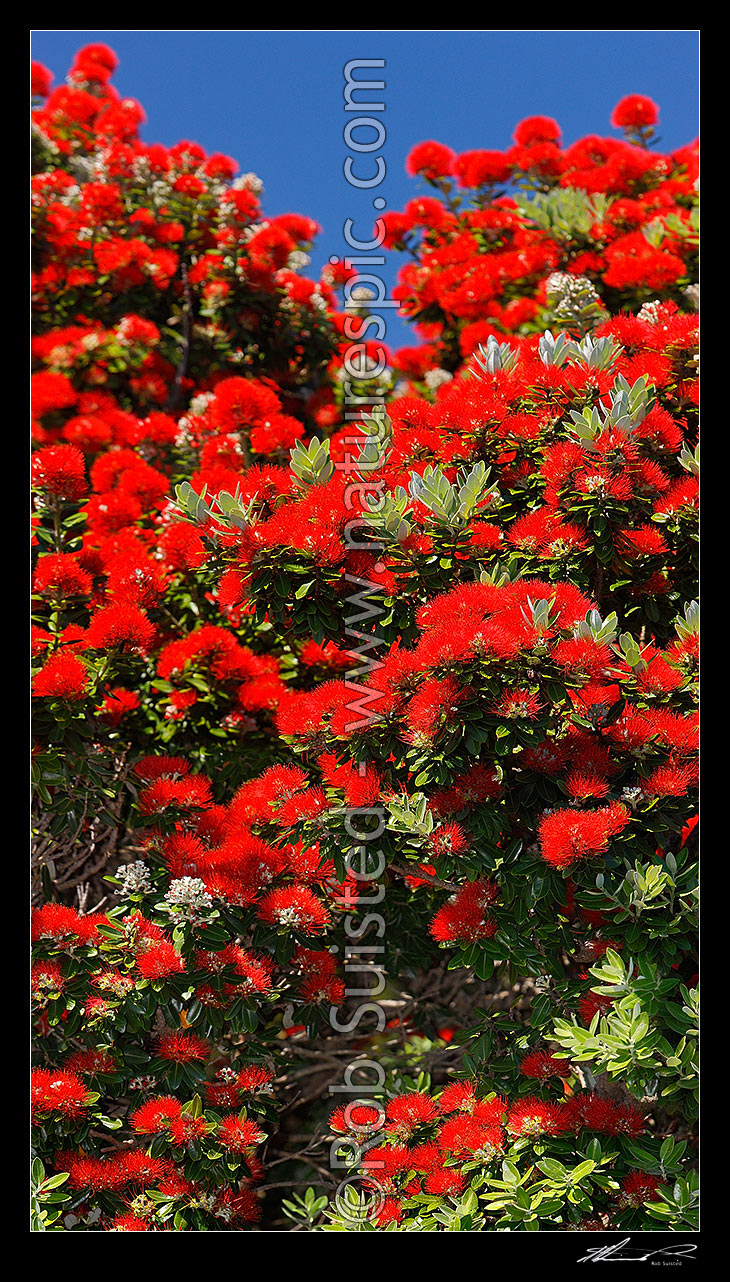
x=274, y=100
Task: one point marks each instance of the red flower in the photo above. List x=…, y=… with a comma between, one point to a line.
x=62, y=677
x=57, y=921
x=533, y=1116
x=464, y=917
x=445, y=1182
x=186, y=1129
x=117, y=704
x=536, y=129
x=60, y=470
x=479, y=168
x=56, y=1091
x=431, y=159
x=592, y=1004
x=91, y=1062
x=41, y=80
x=125, y=1222
x=46, y=981
x=294, y=906
x=159, y=961
x=639, y=1187
x=162, y=767
x=542, y=1064
x=516, y=705
x=448, y=839
x=123, y=627
x=469, y=1135
x=318, y=989
x=93, y=1173
x=95, y=62
x=391, y=1212
x=183, y=1048
x=239, y=1134
x=434, y=706
x=59, y=574
x=570, y=836
x=194, y=792
x=356, y=1118
x=255, y=1079
x=458, y=1096
x=635, y=111
x=137, y=1167
x=406, y=1113
x=49, y=392
x=155, y=1115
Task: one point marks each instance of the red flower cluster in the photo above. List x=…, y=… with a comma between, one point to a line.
x=497, y=677
x=432, y=1144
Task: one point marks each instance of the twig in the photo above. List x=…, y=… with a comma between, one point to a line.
x=424, y=876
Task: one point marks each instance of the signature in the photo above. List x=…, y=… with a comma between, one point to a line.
x=623, y=1251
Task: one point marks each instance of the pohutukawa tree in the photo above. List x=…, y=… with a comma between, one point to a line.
x=510, y=702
